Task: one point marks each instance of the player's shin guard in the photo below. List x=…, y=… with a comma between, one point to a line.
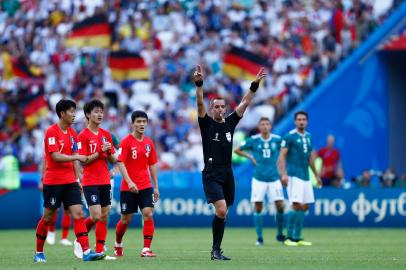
x=297, y=233
x=258, y=223
x=280, y=222
x=291, y=223
x=120, y=231
x=89, y=224
x=218, y=226
x=65, y=225
x=148, y=232
x=41, y=233
x=79, y=227
x=101, y=233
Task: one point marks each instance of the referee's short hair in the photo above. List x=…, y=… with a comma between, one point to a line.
x=64, y=105
x=301, y=113
x=138, y=114
x=95, y=103
x=211, y=103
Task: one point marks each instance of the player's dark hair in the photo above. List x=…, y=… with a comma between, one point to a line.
x=264, y=118
x=63, y=106
x=301, y=113
x=95, y=103
x=138, y=114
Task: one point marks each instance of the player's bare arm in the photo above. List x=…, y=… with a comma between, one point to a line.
x=153, y=169
x=313, y=168
x=59, y=157
x=131, y=185
x=198, y=79
x=247, y=98
x=282, y=165
x=242, y=153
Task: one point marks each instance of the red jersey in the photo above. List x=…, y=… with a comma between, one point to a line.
x=58, y=173
x=96, y=172
x=330, y=157
x=137, y=156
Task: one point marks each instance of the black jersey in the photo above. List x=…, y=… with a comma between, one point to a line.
x=218, y=139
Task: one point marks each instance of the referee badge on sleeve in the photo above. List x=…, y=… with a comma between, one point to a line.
x=228, y=136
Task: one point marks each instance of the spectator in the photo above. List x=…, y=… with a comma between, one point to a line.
x=388, y=178
x=331, y=170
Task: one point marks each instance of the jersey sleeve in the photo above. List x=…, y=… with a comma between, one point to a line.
x=122, y=151
x=203, y=122
x=52, y=141
x=82, y=149
x=247, y=144
x=152, y=159
x=286, y=141
x=233, y=119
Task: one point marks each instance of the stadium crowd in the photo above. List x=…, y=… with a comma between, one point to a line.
x=301, y=40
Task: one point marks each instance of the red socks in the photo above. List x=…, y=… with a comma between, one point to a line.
x=89, y=223
x=79, y=227
x=101, y=233
x=65, y=225
x=120, y=231
x=148, y=232
x=42, y=231
x=52, y=223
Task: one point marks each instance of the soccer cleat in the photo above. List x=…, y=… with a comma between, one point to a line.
x=77, y=249
x=40, y=257
x=93, y=256
x=217, y=254
x=301, y=242
x=65, y=242
x=259, y=242
x=280, y=238
x=51, y=238
x=146, y=252
x=288, y=242
x=118, y=251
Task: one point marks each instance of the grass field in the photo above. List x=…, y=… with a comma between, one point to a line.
x=189, y=249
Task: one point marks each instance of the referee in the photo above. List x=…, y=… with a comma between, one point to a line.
x=217, y=136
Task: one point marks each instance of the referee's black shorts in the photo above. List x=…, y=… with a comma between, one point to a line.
x=68, y=194
x=218, y=184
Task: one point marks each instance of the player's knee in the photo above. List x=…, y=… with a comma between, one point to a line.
x=221, y=212
x=104, y=217
x=296, y=206
x=126, y=219
x=78, y=214
x=280, y=206
x=147, y=215
x=96, y=217
x=305, y=207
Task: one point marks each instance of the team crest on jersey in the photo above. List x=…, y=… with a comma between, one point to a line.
x=104, y=139
x=79, y=145
x=228, y=136
x=266, y=145
x=51, y=141
x=52, y=201
x=93, y=198
x=148, y=150
x=123, y=207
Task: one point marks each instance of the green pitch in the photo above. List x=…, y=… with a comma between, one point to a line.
x=189, y=249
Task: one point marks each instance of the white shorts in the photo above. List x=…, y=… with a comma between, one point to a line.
x=272, y=189
x=300, y=191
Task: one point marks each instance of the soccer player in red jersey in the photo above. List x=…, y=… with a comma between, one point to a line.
x=137, y=162
x=96, y=144
x=60, y=185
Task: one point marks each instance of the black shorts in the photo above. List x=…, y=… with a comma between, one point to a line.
x=130, y=202
x=98, y=195
x=68, y=194
x=218, y=184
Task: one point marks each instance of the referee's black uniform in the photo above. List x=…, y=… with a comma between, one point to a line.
x=218, y=178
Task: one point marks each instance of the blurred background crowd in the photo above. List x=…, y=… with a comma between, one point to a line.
x=301, y=41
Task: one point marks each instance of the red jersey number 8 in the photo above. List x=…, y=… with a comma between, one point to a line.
x=134, y=154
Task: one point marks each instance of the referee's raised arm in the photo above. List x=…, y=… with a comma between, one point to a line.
x=246, y=100
x=198, y=79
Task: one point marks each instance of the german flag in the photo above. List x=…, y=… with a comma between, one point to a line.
x=34, y=110
x=19, y=67
x=91, y=32
x=128, y=66
x=242, y=64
